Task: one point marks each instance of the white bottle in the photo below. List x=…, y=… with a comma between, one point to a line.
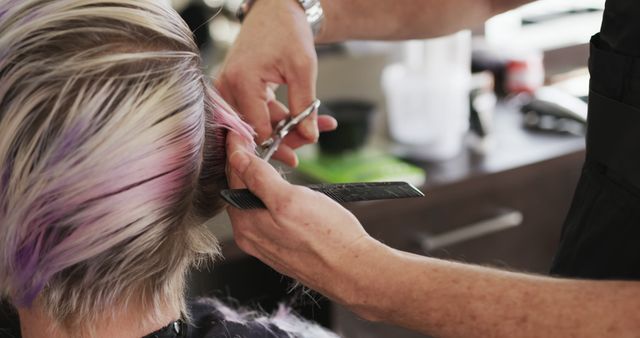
x=428, y=97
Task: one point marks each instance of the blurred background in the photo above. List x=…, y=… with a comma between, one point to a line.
x=489, y=123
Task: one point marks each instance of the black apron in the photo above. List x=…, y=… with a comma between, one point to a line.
x=601, y=235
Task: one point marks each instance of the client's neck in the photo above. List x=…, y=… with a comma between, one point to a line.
x=125, y=323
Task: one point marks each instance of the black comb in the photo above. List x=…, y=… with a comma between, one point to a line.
x=341, y=193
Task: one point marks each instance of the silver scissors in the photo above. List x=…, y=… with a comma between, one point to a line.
x=270, y=146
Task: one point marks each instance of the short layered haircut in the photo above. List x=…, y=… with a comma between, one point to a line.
x=112, y=154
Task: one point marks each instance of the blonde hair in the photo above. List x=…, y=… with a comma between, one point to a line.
x=111, y=152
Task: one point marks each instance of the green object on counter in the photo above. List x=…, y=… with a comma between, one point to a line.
x=360, y=166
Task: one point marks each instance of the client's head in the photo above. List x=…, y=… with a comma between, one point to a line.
x=111, y=155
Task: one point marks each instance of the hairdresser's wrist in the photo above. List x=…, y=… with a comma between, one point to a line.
x=311, y=9
x=334, y=15
x=361, y=279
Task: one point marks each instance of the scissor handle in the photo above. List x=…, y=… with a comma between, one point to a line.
x=283, y=128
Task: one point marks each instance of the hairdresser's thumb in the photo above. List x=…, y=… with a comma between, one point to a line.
x=258, y=176
x=239, y=162
x=235, y=143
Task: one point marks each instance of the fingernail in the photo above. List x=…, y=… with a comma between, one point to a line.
x=239, y=161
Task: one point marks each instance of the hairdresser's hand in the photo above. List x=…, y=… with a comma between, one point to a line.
x=303, y=234
x=275, y=46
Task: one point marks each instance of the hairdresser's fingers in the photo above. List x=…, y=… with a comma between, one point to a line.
x=251, y=96
x=262, y=179
x=286, y=155
x=325, y=123
x=255, y=110
x=225, y=93
x=278, y=111
x=234, y=181
x=235, y=143
x=302, y=91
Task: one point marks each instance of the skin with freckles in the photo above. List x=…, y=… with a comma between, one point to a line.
x=309, y=237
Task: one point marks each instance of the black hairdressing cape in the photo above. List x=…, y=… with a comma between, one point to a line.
x=208, y=322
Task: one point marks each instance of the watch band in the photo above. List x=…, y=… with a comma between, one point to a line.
x=312, y=8
x=315, y=14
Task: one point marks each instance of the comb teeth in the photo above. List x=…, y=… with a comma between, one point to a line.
x=242, y=199
x=341, y=193
x=333, y=196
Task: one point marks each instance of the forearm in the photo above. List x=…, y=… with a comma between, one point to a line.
x=404, y=19
x=447, y=299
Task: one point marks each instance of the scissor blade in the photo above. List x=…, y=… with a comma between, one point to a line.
x=304, y=114
x=282, y=130
x=272, y=149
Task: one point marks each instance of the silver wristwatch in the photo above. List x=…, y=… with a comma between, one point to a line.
x=312, y=8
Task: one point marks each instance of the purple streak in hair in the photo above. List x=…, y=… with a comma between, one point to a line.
x=31, y=275
x=69, y=141
x=4, y=9
x=4, y=181
x=30, y=17
x=26, y=260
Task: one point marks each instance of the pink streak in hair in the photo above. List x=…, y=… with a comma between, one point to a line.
x=63, y=250
x=88, y=239
x=224, y=116
x=4, y=9
x=46, y=250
